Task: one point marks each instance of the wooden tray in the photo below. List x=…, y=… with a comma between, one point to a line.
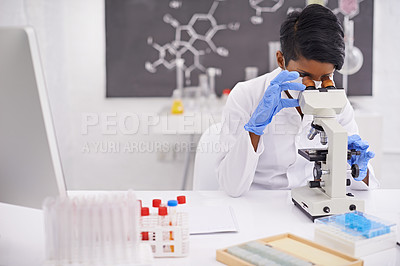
x=298, y=247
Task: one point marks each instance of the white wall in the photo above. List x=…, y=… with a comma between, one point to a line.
x=386, y=92
x=72, y=43
x=386, y=70
x=84, y=39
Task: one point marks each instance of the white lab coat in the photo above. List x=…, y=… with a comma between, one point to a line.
x=276, y=164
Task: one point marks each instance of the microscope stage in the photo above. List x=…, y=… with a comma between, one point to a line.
x=314, y=155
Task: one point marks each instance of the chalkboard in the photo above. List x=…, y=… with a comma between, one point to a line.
x=144, y=37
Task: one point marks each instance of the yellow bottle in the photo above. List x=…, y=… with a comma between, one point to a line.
x=177, y=107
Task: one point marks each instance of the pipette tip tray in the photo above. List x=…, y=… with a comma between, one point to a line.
x=355, y=233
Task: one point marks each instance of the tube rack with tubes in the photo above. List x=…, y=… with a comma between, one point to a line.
x=98, y=229
x=166, y=230
x=355, y=233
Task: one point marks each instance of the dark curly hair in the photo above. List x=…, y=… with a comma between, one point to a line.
x=315, y=34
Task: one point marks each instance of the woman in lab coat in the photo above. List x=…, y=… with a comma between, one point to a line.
x=262, y=124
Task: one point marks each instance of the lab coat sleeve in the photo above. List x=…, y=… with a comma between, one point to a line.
x=238, y=162
x=346, y=119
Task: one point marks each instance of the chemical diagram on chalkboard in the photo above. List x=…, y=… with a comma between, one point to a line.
x=175, y=4
x=349, y=8
x=184, y=43
x=144, y=39
x=263, y=6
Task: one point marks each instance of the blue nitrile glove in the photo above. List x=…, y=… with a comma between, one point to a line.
x=355, y=142
x=272, y=103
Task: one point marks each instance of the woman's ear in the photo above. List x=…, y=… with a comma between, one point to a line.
x=280, y=59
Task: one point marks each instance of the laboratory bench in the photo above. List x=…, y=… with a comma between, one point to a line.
x=259, y=214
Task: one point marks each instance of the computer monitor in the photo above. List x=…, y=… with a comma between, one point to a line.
x=30, y=167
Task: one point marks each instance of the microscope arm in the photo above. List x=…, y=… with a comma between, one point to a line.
x=336, y=161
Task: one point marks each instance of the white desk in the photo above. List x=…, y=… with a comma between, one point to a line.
x=259, y=214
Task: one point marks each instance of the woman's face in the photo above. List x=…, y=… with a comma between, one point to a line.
x=311, y=68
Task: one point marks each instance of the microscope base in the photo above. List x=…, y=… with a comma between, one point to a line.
x=315, y=203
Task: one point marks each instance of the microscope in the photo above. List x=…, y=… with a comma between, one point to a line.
x=326, y=194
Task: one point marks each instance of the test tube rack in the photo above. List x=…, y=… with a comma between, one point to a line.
x=167, y=229
x=100, y=229
x=167, y=240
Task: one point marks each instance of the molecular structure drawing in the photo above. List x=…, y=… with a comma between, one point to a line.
x=318, y=2
x=175, y=4
x=187, y=39
x=308, y=2
x=349, y=8
x=260, y=7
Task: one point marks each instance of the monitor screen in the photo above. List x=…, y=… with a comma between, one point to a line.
x=30, y=167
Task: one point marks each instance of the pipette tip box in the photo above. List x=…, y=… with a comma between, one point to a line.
x=355, y=233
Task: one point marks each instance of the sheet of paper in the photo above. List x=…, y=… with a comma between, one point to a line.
x=211, y=219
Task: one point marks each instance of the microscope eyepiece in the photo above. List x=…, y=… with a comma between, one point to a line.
x=309, y=83
x=327, y=83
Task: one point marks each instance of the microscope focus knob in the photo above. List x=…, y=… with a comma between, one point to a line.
x=355, y=170
x=317, y=171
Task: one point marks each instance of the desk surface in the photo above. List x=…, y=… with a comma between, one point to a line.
x=259, y=214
